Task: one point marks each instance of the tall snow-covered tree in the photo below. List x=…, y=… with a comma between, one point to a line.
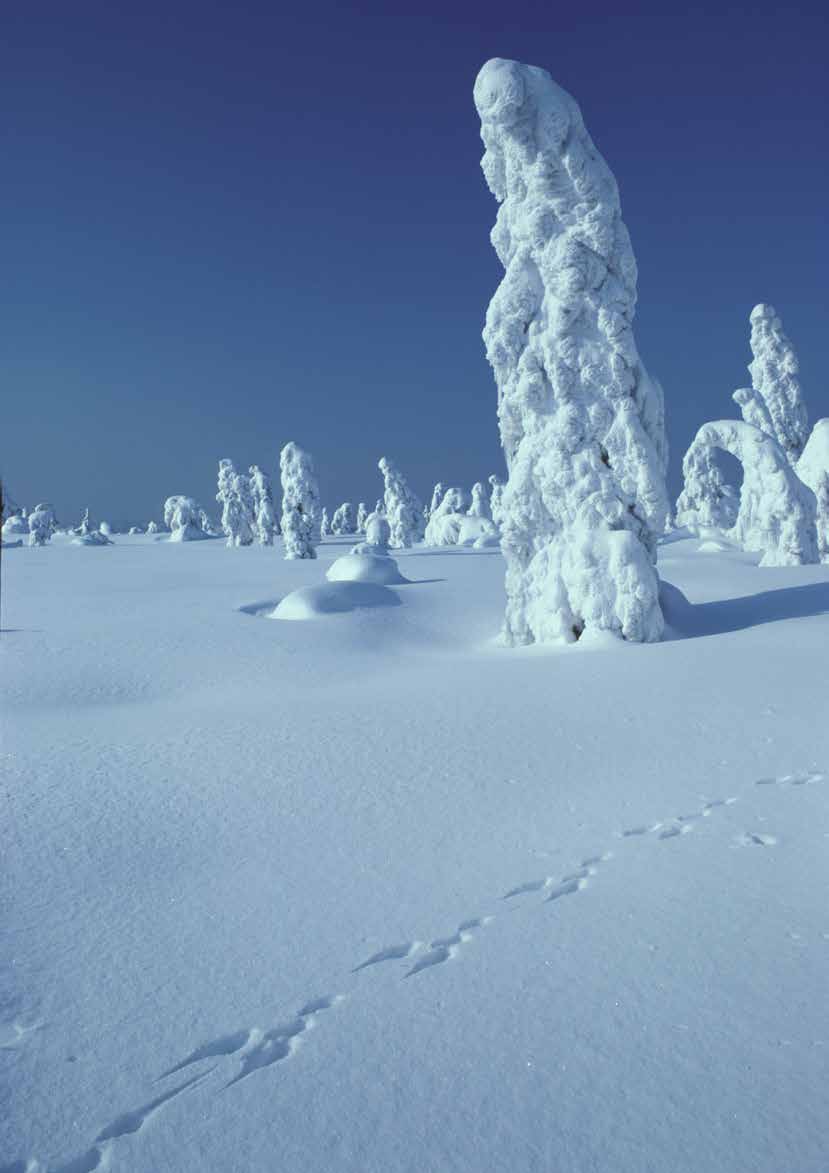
x=437, y=496
x=479, y=506
x=237, y=510
x=264, y=514
x=774, y=402
x=300, y=502
x=325, y=523
x=581, y=422
x=362, y=517
x=343, y=520
x=42, y=524
x=403, y=508
x=496, y=492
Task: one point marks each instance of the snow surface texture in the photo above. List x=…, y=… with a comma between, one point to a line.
x=300, y=502
x=402, y=507
x=582, y=424
x=365, y=567
x=264, y=514
x=370, y=894
x=774, y=402
x=182, y=517
x=776, y=517
x=813, y=470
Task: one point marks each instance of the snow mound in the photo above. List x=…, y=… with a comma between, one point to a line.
x=365, y=567
x=333, y=598
x=461, y=529
x=93, y=538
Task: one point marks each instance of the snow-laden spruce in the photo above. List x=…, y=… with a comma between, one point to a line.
x=325, y=523
x=42, y=524
x=153, y=527
x=403, y=508
x=459, y=521
x=236, y=500
x=437, y=496
x=582, y=424
x=15, y=524
x=362, y=517
x=777, y=510
x=479, y=506
x=300, y=502
x=182, y=517
x=496, y=492
x=774, y=402
x=813, y=471
x=264, y=515
x=378, y=535
x=343, y=521
x=707, y=500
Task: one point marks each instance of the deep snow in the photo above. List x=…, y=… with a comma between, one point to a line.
x=371, y=893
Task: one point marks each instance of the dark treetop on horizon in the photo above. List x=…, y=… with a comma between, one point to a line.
x=231, y=226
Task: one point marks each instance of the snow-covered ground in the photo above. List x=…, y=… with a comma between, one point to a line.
x=372, y=894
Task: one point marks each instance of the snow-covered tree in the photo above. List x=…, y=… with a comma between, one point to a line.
x=707, y=500
x=15, y=524
x=264, y=514
x=777, y=510
x=581, y=422
x=343, y=520
x=325, y=523
x=86, y=525
x=378, y=533
x=42, y=524
x=437, y=496
x=480, y=502
x=774, y=402
x=300, y=502
x=237, y=506
x=135, y=529
x=813, y=470
x=152, y=527
x=402, y=507
x=182, y=517
x=362, y=517
x=496, y=492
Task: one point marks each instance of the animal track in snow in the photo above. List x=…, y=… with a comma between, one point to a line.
x=755, y=837
x=12, y=1035
x=805, y=779
x=565, y=886
x=392, y=953
x=444, y=948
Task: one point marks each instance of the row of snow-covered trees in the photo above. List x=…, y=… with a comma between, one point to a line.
x=782, y=507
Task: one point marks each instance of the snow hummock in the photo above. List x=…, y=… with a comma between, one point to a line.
x=776, y=515
x=333, y=598
x=365, y=567
x=582, y=423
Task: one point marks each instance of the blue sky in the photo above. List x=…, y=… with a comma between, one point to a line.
x=228, y=226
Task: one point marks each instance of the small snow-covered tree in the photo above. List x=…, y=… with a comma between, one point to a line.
x=237, y=510
x=378, y=532
x=135, y=529
x=182, y=518
x=777, y=510
x=581, y=422
x=325, y=523
x=86, y=525
x=707, y=500
x=153, y=527
x=42, y=524
x=437, y=496
x=343, y=520
x=480, y=502
x=264, y=514
x=403, y=508
x=813, y=470
x=362, y=517
x=300, y=502
x=380, y=506
x=496, y=492
x=774, y=402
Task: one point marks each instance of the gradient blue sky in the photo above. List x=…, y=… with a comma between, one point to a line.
x=227, y=226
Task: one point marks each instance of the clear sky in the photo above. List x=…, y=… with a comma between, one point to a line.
x=226, y=226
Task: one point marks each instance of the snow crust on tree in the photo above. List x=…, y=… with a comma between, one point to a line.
x=42, y=524
x=377, y=534
x=235, y=498
x=325, y=524
x=300, y=502
x=265, y=524
x=437, y=497
x=15, y=524
x=362, y=517
x=182, y=518
x=343, y=521
x=777, y=510
x=479, y=506
x=582, y=424
x=774, y=402
x=813, y=471
x=403, y=508
x=86, y=525
x=496, y=492
x=153, y=527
